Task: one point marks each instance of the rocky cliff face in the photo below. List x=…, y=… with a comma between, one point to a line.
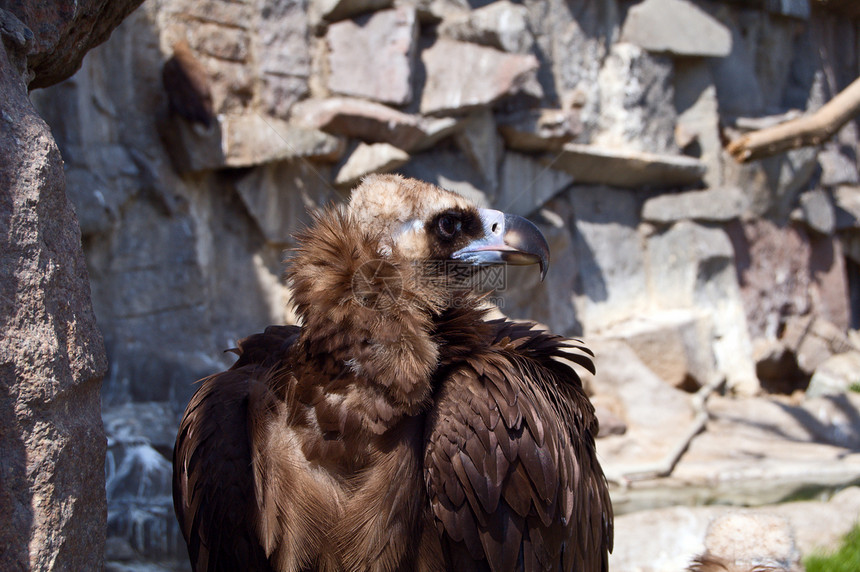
x=51, y=354
x=603, y=121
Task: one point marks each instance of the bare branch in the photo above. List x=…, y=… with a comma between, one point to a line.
x=812, y=129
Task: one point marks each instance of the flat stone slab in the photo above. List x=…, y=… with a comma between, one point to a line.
x=676, y=27
x=718, y=204
x=590, y=164
x=245, y=141
x=755, y=451
x=372, y=122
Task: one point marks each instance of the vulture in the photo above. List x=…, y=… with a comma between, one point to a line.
x=398, y=428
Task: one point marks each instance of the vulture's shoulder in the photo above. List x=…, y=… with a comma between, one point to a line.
x=268, y=349
x=213, y=484
x=509, y=461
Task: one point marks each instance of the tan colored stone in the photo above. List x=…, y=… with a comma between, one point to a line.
x=390, y=36
x=746, y=539
x=502, y=25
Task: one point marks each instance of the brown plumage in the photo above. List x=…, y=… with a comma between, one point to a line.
x=397, y=428
x=187, y=86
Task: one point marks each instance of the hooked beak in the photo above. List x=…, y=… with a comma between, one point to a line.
x=508, y=239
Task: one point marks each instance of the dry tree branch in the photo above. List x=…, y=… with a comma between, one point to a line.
x=812, y=129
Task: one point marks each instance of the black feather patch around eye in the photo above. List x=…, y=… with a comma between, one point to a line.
x=452, y=225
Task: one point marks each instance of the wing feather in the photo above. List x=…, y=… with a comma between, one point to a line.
x=510, y=452
x=213, y=483
x=213, y=487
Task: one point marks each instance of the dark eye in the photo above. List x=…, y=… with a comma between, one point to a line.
x=448, y=226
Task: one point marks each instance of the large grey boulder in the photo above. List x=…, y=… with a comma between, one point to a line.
x=633, y=80
x=373, y=122
x=675, y=344
x=449, y=170
x=612, y=283
x=690, y=266
x=281, y=46
x=280, y=195
x=502, y=25
x=817, y=211
x=593, y=164
x=479, y=141
x=718, y=204
x=698, y=131
x=462, y=76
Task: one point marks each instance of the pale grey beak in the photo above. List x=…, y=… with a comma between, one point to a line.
x=508, y=239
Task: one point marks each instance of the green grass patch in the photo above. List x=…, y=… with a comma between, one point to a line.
x=845, y=559
x=855, y=387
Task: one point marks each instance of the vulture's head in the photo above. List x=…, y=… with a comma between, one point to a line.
x=372, y=280
x=420, y=222
x=401, y=244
